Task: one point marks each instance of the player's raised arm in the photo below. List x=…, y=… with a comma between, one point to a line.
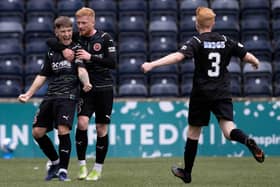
x=252, y=59
x=36, y=85
x=172, y=58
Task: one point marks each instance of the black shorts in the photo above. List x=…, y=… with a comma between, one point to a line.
x=54, y=112
x=100, y=103
x=200, y=109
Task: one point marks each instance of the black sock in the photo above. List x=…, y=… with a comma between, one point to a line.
x=101, y=148
x=47, y=147
x=238, y=135
x=190, y=153
x=64, y=150
x=81, y=143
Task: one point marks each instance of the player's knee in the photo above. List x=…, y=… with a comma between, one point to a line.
x=83, y=122
x=101, y=129
x=194, y=132
x=63, y=129
x=38, y=133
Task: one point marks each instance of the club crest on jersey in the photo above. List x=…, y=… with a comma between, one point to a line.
x=97, y=47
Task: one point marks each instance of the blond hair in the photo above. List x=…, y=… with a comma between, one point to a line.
x=85, y=12
x=205, y=17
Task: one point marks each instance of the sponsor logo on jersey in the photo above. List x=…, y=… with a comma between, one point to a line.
x=61, y=65
x=97, y=47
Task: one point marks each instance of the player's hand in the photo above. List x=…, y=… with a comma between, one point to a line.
x=23, y=98
x=146, y=67
x=256, y=65
x=87, y=87
x=83, y=54
x=68, y=54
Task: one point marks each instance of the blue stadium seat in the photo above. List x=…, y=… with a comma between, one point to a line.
x=255, y=7
x=28, y=82
x=276, y=92
x=261, y=48
x=37, y=46
x=132, y=43
x=10, y=47
x=163, y=25
x=132, y=22
x=38, y=27
x=188, y=7
x=107, y=22
x=133, y=86
x=276, y=29
x=12, y=10
x=131, y=63
x=103, y=5
x=276, y=57
x=11, y=65
x=228, y=8
x=162, y=44
x=162, y=5
x=186, y=85
x=235, y=76
x=227, y=27
x=10, y=86
x=252, y=26
x=275, y=9
x=33, y=64
x=258, y=82
x=187, y=26
x=133, y=6
x=187, y=67
x=159, y=8
x=11, y=29
x=43, y=7
x=164, y=85
x=69, y=7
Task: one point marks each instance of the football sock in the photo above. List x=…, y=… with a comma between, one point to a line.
x=190, y=153
x=47, y=147
x=101, y=149
x=82, y=162
x=64, y=150
x=98, y=167
x=81, y=143
x=238, y=135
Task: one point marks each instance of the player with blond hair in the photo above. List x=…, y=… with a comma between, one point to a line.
x=211, y=86
x=99, y=54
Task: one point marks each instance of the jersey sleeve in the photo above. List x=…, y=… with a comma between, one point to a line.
x=238, y=49
x=110, y=56
x=187, y=48
x=46, y=68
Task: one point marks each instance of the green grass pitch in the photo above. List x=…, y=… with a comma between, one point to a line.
x=208, y=172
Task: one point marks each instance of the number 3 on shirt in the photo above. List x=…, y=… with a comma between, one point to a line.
x=215, y=58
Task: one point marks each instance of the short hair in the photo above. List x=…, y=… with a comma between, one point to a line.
x=85, y=12
x=62, y=21
x=205, y=17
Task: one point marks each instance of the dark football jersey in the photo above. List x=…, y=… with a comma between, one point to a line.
x=103, y=51
x=62, y=75
x=212, y=53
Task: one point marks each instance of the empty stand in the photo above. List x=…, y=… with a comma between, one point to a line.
x=69, y=7
x=133, y=86
x=258, y=83
x=164, y=85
